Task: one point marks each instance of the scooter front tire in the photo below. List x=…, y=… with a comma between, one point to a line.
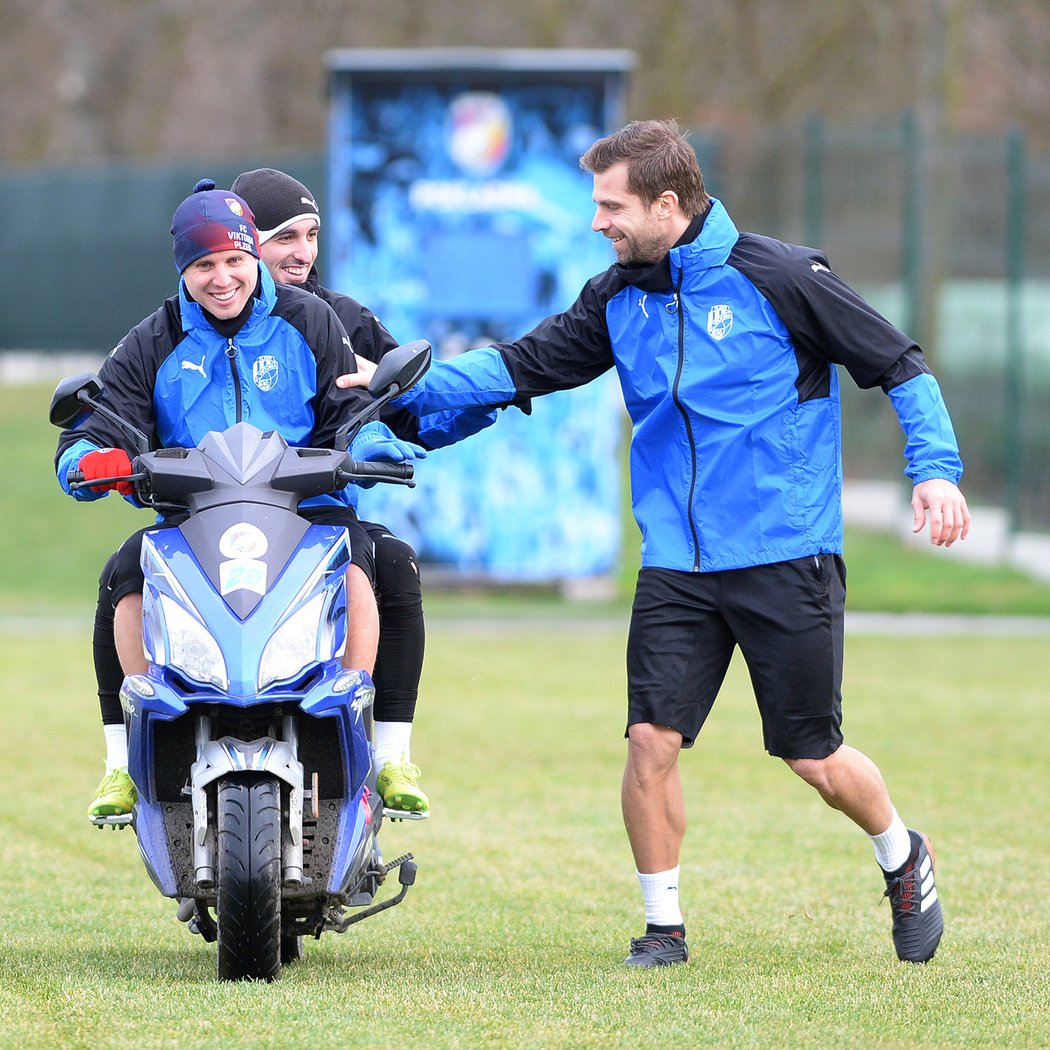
x=248, y=892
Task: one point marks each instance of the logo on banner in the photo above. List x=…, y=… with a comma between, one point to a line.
x=719, y=321
x=478, y=132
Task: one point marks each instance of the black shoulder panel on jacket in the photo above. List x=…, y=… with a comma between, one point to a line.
x=368, y=336
x=370, y=340
x=157, y=335
x=128, y=377
x=327, y=340
x=827, y=320
x=306, y=313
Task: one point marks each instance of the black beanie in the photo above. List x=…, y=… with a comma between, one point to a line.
x=277, y=200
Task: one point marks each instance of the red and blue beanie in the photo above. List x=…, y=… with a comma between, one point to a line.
x=211, y=220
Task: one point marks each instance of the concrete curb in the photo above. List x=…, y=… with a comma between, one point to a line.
x=857, y=623
x=884, y=506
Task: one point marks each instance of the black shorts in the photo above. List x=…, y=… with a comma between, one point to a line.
x=123, y=573
x=787, y=619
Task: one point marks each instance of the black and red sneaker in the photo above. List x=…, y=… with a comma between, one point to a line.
x=917, y=919
x=658, y=949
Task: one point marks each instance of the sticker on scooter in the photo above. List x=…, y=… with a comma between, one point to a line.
x=243, y=540
x=242, y=574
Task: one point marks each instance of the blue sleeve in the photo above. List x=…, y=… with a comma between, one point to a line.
x=478, y=378
x=931, y=448
x=441, y=429
x=68, y=461
x=347, y=497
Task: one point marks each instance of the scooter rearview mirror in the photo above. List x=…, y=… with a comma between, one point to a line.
x=402, y=368
x=399, y=369
x=76, y=396
x=72, y=397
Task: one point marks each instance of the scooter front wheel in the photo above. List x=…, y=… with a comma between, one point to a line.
x=248, y=898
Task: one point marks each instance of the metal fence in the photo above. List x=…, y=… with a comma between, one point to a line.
x=949, y=236
x=88, y=253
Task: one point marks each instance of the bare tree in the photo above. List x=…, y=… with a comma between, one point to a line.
x=165, y=77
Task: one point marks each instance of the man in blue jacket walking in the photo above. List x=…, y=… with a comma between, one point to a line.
x=726, y=346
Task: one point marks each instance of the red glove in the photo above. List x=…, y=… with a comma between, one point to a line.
x=107, y=463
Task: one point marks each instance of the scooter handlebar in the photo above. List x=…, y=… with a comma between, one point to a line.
x=354, y=470
x=397, y=473
x=76, y=479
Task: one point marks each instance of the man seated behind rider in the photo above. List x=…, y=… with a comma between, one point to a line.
x=289, y=223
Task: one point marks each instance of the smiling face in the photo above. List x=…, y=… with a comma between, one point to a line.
x=640, y=233
x=290, y=254
x=222, y=282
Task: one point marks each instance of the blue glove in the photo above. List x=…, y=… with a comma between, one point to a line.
x=376, y=441
x=441, y=429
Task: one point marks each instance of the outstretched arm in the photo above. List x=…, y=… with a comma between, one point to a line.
x=475, y=379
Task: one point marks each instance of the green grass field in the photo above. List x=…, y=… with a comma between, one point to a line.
x=525, y=900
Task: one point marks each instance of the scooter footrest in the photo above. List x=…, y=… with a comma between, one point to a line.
x=404, y=814
x=116, y=823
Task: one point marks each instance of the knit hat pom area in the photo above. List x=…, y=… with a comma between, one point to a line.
x=277, y=200
x=212, y=220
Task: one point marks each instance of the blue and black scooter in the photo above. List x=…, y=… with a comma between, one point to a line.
x=249, y=742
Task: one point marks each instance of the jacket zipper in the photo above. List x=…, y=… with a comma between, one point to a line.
x=231, y=354
x=685, y=419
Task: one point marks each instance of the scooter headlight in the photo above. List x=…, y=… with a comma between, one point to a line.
x=297, y=643
x=190, y=647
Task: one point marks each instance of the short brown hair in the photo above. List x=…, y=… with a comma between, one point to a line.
x=659, y=158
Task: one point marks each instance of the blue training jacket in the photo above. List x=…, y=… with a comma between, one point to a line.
x=175, y=378
x=726, y=353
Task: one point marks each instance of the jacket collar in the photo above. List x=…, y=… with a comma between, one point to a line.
x=707, y=242
x=312, y=282
x=710, y=245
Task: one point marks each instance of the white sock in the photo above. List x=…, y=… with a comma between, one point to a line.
x=893, y=846
x=116, y=747
x=392, y=742
x=660, y=893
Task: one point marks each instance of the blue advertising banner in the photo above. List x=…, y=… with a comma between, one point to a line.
x=459, y=214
